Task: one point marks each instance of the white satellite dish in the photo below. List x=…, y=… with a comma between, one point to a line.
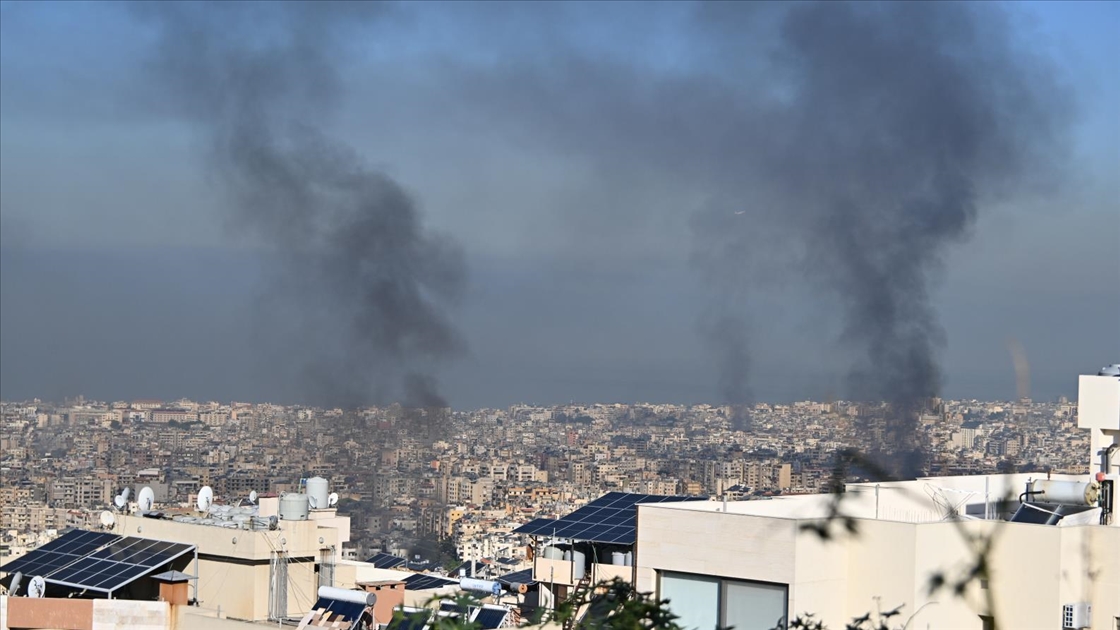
x=312, y=503
x=253, y=497
x=119, y=501
x=107, y=519
x=125, y=493
x=37, y=587
x=13, y=586
x=332, y=499
x=205, y=498
x=146, y=499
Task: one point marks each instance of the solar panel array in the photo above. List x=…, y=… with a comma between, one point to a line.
x=96, y=560
x=424, y=581
x=383, y=560
x=612, y=518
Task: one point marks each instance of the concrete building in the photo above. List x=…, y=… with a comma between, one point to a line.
x=756, y=564
x=256, y=575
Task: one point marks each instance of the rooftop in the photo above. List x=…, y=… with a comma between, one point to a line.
x=924, y=500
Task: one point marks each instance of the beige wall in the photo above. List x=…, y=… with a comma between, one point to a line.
x=695, y=542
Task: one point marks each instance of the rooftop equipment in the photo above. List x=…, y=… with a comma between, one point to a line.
x=294, y=507
x=317, y=493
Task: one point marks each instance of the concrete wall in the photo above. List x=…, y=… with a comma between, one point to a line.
x=710, y=543
x=123, y=614
x=1098, y=409
x=64, y=614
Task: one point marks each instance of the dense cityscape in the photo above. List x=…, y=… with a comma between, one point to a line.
x=481, y=473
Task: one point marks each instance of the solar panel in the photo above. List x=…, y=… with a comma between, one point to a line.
x=341, y=611
x=524, y=576
x=612, y=518
x=64, y=550
x=489, y=618
x=423, y=581
x=386, y=561
x=96, y=560
x=410, y=621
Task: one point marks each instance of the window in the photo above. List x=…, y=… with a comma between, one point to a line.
x=692, y=598
x=704, y=602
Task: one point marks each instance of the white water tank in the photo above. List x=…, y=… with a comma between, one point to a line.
x=629, y=559
x=293, y=507
x=1065, y=492
x=553, y=553
x=347, y=595
x=579, y=564
x=618, y=558
x=317, y=493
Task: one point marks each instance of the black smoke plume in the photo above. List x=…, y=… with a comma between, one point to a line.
x=361, y=281
x=882, y=127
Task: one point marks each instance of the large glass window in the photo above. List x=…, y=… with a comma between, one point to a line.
x=694, y=599
x=753, y=605
x=704, y=602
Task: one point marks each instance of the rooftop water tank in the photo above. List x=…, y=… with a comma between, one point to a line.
x=317, y=493
x=579, y=564
x=293, y=507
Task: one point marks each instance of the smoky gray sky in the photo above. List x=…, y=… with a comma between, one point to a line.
x=493, y=203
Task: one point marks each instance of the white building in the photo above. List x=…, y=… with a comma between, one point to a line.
x=755, y=564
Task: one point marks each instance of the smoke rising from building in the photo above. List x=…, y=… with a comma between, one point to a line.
x=361, y=284
x=844, y=147
x=888, y=124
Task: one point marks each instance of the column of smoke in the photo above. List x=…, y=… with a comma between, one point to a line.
x=887, y=123
x=359, y=276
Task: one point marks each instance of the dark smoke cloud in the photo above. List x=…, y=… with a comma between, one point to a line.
x=362, y=284
x=891, y=122
x=842, y=146
x=845, y=147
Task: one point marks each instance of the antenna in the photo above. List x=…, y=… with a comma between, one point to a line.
x=332, y=500
x=107, y=519
x=146, y=499
x=253, y=497
x=37, y=587
x=205, y=498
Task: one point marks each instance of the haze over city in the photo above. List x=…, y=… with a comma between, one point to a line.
x=588, y=202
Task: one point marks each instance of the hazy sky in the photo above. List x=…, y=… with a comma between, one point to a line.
x=567, y=151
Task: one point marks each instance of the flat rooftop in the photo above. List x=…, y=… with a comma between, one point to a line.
x=924, y=500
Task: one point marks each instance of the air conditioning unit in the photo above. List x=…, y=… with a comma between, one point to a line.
x=1076, y=616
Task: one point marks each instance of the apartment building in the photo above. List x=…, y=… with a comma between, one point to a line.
x=878, y=546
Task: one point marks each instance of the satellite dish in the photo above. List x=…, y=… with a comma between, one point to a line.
x=332, y=499
x=125, y=493
x=107, y=519
x=205, y=498
x=13, y=587
x=312, y=502
x=37, y=587
x=119, y=501
x=253, y=497
x=146, y=499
